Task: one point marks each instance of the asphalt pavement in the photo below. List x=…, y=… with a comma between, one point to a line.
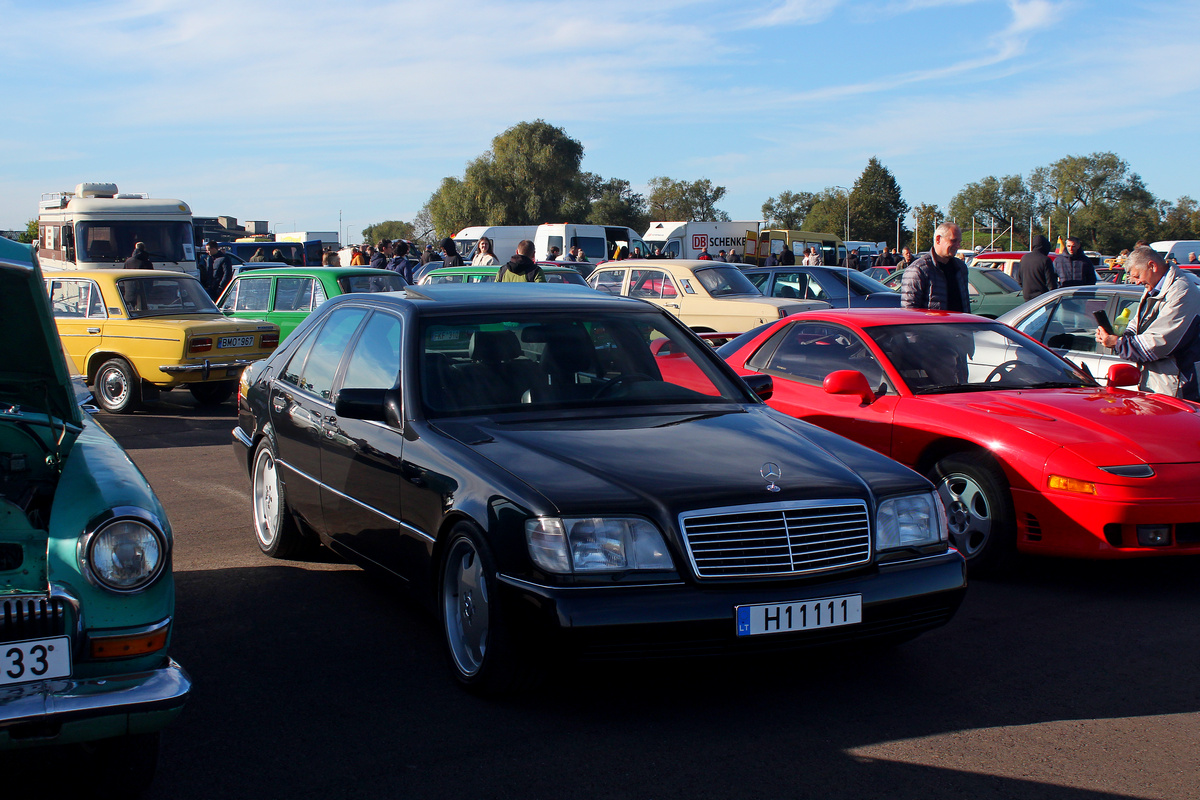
x=1064, y=680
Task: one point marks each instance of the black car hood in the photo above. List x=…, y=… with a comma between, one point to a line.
x=670, y=462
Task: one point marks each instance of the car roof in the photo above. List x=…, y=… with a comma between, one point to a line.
x=335, y=271
x=498, y=297
x=468, y=269
x=114, y=274
x=870, y=317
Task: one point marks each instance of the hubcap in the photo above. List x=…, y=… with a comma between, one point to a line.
x=969, y=514
x=465, y=606
x=266, y=499
x=113, y=386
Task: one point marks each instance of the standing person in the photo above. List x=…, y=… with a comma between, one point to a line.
x=1036, y=271
x=139, y=259
x=937, y=280
x=884, y=259
x=484, y=256
x=1163, y=337
x=851, y=261
x=1192, y=258
x=705, y=255
x=573, y=253
x=554, y=253
x=1074, y=268
x=788, y=257
x=906, y=258
x=357, y=259
x=330, y=259
x=428, y=255
x=581, y=256
x=400, y=263
x=734, y=258
x=379, y=259
x=450, y=256
x=721, y=256
x=219, y=273
x=810, y=257
x=521, y=267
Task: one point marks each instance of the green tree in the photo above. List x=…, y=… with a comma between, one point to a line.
x=390, y=229
x=789, y=210
x=1097, y=197
x=827, y=213
x=530, y=175
x=993, y=203
x=1178, y=220
x=31, y=232
x=928, y=218
x=694, y=201
x=876, y=204
x=613, y=202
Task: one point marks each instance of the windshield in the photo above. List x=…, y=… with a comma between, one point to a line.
x=483, y=364
x=959, y=357
x=999, y=282
x=725, y=281
x=360, y=284
x=109, y=242
x=166, y=296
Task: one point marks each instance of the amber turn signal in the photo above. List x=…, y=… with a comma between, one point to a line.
x=126, y=646
x=1072, y=484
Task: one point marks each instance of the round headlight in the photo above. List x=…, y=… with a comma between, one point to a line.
x=126, y=555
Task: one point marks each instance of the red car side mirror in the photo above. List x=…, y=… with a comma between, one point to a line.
x=851, y=382
x=1123, y=375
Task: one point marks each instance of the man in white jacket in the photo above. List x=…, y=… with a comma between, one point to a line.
x=1163, y=337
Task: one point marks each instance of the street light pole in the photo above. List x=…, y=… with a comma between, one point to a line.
x=847, y=191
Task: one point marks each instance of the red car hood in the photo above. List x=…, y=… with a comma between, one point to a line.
x=1101, y=426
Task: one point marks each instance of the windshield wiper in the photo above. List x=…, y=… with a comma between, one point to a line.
x=1061, y=385
x=948, y=388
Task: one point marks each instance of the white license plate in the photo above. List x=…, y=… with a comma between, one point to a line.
x=235, y=341
x=35, y=660
x=828, y=612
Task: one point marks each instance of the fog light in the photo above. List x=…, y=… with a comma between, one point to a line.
x=1154, y=535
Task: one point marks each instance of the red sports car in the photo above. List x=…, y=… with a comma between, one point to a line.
x=1028, y=452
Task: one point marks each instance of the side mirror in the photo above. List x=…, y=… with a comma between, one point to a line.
x=362, y=404
x=1123, y=375
x=850, y=382
x=761, y=385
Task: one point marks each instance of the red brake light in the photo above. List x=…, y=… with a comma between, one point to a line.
x=200, y=344
x=270, y=339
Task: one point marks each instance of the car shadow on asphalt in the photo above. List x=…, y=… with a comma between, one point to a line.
x=175, y=420
x=313, y=683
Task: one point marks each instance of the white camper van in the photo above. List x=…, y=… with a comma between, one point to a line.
x=1177, y=249
x=690, y=239
x=96, y=226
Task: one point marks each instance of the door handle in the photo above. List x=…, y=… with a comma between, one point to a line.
x=671, y=305
x=278, y=403
x=93, y=330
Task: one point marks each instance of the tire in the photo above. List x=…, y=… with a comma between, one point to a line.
x=484, y=653
x=117, y=386
x=979, y=510
x=212, y=393
x=275, y=529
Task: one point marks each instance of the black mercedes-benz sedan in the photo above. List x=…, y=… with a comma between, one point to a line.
x=560, y=472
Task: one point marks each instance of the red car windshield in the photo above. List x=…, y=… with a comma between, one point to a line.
x=933, y=358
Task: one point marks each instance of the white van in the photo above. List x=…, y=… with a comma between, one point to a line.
x=96, y=226
x=598, y=242
x=1179, y=248
x=690, y=239
x=505, y=239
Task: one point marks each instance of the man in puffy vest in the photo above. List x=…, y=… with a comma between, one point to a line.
x=1074, y=268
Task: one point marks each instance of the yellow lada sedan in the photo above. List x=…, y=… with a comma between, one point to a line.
x=133, y=333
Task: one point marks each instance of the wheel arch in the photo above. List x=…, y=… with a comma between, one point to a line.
x=98, y=357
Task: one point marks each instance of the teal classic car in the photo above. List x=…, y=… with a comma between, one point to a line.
x=286, y=295
x=471, y=274
x=87, y=597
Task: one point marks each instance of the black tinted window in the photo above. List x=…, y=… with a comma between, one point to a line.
x=376, y=358
x=327, y=351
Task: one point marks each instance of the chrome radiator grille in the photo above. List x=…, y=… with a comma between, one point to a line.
x=31, y=617
x=777, y=539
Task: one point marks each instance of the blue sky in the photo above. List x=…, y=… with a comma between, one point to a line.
x=291, y=112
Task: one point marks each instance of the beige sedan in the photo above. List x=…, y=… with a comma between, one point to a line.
x=705, y=295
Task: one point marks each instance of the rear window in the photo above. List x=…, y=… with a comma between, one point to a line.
x=362, y=284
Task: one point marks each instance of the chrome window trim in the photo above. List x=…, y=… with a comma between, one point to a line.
x=781, y=506
x=112, y=516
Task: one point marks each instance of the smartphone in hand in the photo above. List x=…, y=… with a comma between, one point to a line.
x=1103, y=321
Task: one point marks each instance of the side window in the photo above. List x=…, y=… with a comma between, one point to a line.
x=291, y=372
x=608, y=280
x=318, y=295
x=252, y=294
x=229, y=301
x=327, y=350
x=70, y=299
x=759, y=279
x=673, y=249
x=293, y=294
x=650, y=283
x=814, y=290
x=787, y=284
x=96, y=303
x=811, y=350
x=1072, y=326
x=375, y=362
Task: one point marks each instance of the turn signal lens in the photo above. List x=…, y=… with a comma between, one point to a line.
x=127, y=646
x=200, y=344
x=1072, y=485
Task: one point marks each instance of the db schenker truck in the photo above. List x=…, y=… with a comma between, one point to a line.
x=96, y=226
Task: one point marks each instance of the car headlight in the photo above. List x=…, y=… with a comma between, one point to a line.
x=596, y=544
x=910, y=521
x=124, y=555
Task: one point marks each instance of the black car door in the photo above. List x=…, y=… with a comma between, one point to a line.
x=360, y=458
x=300, y=403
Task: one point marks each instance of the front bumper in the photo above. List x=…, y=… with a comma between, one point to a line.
x=1063, y=524
x=900, y=599
x=74, y=710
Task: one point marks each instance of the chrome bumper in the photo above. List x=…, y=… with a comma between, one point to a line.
x=68, y=700
x=207, y=366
